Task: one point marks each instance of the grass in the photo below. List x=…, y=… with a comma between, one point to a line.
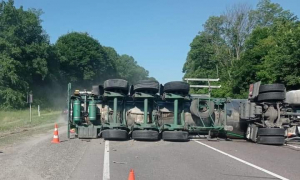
x=16, y=124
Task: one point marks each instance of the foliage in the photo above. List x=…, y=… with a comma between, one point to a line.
x=28, y=62
x=130, y=70
x=126, y=67
x=83, y=60
x=273, y=55
x=267, y=12
x=23, y=55
x=243, y=46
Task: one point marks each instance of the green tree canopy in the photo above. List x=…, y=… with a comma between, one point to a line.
x=28, y=62
x=129, y=69
x=272, y=56
x=126, y=67
x=83, y=60
x=242, y=46
x=24, y=53
x=267, y=12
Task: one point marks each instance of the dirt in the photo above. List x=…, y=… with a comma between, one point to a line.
x=37, y=158
x=18, y=135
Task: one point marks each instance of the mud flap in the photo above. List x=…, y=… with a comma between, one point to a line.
x=89, y=132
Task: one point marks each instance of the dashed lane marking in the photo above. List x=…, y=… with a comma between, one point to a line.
x=297, y=147
x=243, y=161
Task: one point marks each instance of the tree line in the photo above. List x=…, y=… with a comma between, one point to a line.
x=30, y=63
x=245, y=45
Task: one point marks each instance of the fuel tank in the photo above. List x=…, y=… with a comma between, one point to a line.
x=293, y=98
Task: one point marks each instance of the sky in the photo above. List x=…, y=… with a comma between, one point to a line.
x=157, y=33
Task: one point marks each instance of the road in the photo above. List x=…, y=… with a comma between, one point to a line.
x=197, y=159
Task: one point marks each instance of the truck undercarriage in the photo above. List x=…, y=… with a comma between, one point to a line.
x=151, y=111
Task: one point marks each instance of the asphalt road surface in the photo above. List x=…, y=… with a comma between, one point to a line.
x=97, y=159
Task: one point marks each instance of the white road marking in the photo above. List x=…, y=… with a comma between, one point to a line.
x=297, y=147
x=245, y=162
x=195, y=139
x=106, y=172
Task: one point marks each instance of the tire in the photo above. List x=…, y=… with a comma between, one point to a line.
x=194, y=108
x=271, y=140
x=116, y=84
x=114, y=134
x=177, y=86
x=271, y=96
x=145, y=135
x=271, y=132
x=146, y=85
x=271, y=88
x=175, y=135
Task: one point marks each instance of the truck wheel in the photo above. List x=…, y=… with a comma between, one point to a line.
x=145, y=135
x=175, y=135
x=271, y=96
x=194, y=108
x=271, y=132
x=177, y=86
x=271, y=140
x=114, y=134
x=146, y=85
x=116, y=84
x=271, y=88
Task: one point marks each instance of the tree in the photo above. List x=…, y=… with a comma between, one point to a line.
x=28, y=62
x=198, y=62
x=24, y=53
x=237, y=27
x=267, y=12
x=243, y=46
x=280, y=61
x=127, y=68
x=271, y=56
x=83, y=60
x=214, y=51
x=112, y=55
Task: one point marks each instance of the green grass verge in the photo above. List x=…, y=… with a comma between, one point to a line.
x=15, y=125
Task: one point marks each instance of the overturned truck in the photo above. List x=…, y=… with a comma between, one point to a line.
x=151, y=111
x=271, y=114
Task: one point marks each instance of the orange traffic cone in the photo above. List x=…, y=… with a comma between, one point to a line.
x=55, y=135
x=131, y=175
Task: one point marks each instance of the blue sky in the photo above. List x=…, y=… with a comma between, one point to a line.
x=157, y=33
